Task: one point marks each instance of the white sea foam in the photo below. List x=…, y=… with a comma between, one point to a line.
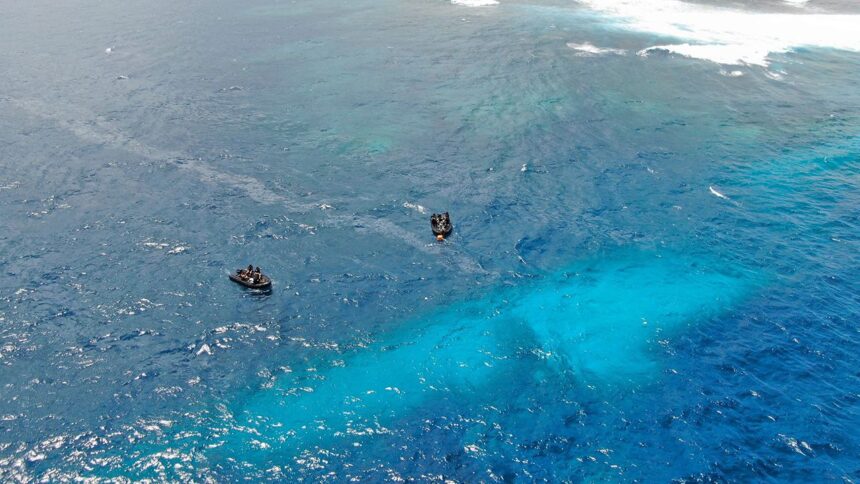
x=717, y=193
x=776, y=76
x=722, y=54
x=591, y=49
x=729, y=36
x=177, y=250
x=155, y=245
x=414, y=206
x=475, y=3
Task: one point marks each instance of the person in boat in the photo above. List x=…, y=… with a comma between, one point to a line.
x=441, y=225
x=245, y=273
x=436, y=220
x=251, y=277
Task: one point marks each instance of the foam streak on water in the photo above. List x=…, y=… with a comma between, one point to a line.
x=100, y=131
x=587, y=48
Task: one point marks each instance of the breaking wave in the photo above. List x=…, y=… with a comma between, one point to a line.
x=729, y=36
x=591, y=49
x=475, y=3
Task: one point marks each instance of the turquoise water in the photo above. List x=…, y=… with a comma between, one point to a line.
x=653, y=274
x=601, y=326
x=596, y=323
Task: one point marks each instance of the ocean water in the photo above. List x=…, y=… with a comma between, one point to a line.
x=654, y=274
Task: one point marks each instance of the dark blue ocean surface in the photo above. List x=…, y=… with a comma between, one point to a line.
x=654, y=273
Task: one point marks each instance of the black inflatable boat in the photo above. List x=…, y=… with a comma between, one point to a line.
x=441, y=224
x=265, y=282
